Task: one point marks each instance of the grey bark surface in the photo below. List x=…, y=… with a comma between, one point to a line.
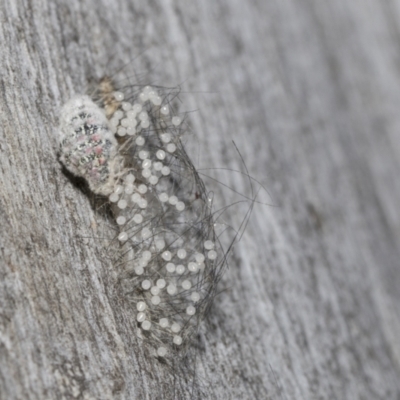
x=310, y=93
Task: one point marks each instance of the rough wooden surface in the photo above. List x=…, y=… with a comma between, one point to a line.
x=310, y=93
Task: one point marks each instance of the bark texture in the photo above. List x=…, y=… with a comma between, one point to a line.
x=310, y=93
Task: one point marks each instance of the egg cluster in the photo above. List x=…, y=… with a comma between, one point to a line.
x=169, y=257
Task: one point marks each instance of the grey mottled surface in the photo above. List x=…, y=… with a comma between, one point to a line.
x=310, y=93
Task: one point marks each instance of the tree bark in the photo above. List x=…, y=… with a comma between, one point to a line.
x=309, y=91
